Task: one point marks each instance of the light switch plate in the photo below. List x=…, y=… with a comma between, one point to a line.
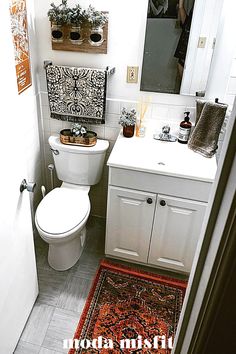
x=202, y=42
x=132, y=74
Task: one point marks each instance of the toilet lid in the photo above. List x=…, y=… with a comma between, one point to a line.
x=62, y=210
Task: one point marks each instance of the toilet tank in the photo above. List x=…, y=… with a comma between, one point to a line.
x=78, y=164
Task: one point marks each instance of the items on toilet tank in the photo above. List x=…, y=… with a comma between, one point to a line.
x=185, y=129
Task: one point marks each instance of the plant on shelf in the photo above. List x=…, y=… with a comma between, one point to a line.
x=97, y=20
x=76, y=18
x=58, y=15
x=77, y=15
x=127, y=120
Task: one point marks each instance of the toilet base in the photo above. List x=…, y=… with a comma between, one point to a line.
x=62, y=256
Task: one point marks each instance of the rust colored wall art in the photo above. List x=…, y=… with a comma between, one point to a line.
x=20, y=38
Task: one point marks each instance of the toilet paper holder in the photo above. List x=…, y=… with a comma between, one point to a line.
x=29, y=186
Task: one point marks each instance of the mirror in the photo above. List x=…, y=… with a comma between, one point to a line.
x=179, y=44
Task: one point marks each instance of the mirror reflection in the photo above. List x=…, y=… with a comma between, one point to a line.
x=167, y=36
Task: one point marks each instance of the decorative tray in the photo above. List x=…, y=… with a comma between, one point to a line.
x=88, y=139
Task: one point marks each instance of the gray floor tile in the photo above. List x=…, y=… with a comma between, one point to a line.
x=37, y=324
x=62, y=295
x=74, y=294
x=26, y=348
x=62, y=326
x=51, y=284
x=41, y=250
x=96, y=235
x=87, y=265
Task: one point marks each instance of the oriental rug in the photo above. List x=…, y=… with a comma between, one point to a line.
x=129, y=311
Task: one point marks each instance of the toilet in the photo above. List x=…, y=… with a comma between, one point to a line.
x=62, y=214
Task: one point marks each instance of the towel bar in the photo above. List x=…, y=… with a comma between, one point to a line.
x=110, y=71
x=46, y=63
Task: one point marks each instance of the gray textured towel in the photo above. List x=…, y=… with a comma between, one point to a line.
x=199, y=107
x=209, y=120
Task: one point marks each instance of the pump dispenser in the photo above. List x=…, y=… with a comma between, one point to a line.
x=185, y=129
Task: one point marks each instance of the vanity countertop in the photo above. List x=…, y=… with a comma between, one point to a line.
x=165, y=158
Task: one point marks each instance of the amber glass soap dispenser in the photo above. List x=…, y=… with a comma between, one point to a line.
x=185, y=129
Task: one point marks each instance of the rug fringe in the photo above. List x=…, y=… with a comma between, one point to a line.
x=139, y=272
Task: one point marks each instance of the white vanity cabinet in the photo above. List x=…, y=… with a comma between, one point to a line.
x=177, y=225
x=150, y=228
x=155, y=210
x=130, y=218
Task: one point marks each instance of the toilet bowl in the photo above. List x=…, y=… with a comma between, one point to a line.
x=62, y=214
x=61, y=222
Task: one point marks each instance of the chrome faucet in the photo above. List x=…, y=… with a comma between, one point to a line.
x=165, y=135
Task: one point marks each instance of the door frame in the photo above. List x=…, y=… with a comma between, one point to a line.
x=213, y=255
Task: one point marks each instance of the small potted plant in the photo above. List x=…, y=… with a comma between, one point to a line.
x=58, y=15
x=97, y=20
x=75, y=19
x=127, y=120
x=78, y=130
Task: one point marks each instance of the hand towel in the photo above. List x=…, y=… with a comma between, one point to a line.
x=199, y=107
x=204, y=138
x=77, y=94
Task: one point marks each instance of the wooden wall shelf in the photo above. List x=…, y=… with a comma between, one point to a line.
x=85, y=46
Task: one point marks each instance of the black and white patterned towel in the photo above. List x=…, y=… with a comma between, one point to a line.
x=77, y=94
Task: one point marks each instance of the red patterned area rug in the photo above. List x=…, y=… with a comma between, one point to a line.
x=129, y=311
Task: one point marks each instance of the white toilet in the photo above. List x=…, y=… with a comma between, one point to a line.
x=62, y=214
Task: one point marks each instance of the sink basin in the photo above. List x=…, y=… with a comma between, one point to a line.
x=155, y=156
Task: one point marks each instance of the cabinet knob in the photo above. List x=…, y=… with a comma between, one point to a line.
x=149, y=200
x=162, y=203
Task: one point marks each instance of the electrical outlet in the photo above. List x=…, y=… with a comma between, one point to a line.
x=202, y=42
x=132, y=74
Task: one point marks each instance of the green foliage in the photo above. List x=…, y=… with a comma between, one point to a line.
x=96, y=18
x=59, y=14
x=62, y=14
x=78, y=130
x=127, y=117
x=77, y=16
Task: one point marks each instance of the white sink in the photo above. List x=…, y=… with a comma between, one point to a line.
x=167, y=158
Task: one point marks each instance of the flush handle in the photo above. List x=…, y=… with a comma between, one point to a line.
x=162, y=202
x=30, y=186
x=54, y=151
x=149, y=200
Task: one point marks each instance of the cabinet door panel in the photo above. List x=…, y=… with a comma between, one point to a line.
x=176, y=229
x=129, y=223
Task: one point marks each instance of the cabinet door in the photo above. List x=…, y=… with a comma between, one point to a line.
x=129, y=223
x=177, y=225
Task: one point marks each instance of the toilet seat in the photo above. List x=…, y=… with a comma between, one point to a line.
x=62, y=210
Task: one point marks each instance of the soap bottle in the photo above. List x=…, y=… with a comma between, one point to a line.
x=185, y=129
